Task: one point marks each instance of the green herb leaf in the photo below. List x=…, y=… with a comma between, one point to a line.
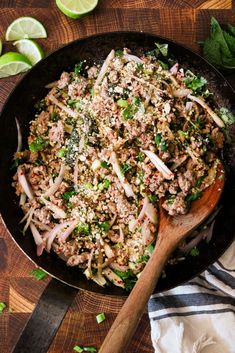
x=100, y=318
x=230, y=29
x=125, y=168
x=158, y=139
x=118, y=52
x=104, y=226
x=104, y=184
x=230, y=40
x=16, y=162
x=128, y=278
x=140, y=66
x=153, y=198
x=194, y=196
x=104, y=165
x=2, y=307
x=83, y=228
x=54, y=117
x=163, y=48
x=133, y=108
x=165, y=66
x=211, y=52
x=39, y=144
x=40, y=105
x=150, y=248
x=199, y=181
x=226, y=116
x=122, y=103
x=194, y=82
x=78, y=68
x=39, y=274
x=68, y=194
x=140, y=157
x=194, y=252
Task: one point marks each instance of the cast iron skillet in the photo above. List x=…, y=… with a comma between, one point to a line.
x=20, y=104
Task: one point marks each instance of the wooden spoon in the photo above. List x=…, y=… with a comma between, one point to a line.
x=172, y=230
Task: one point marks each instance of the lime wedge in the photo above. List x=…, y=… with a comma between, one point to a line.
x=75, y=8
x=30, y=49
x=25, y=27
x=0, y=47
x=13, y=63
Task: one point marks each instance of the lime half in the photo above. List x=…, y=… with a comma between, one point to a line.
x=75, y=8
x=25, y=27
x=13, y=63
x=30, y=49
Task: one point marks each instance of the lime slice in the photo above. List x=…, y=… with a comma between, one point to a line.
x=75, y=8
x=13, y=63
x=25, y=27
x=30, y=49
x=0, y=47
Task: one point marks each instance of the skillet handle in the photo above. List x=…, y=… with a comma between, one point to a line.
x=46, y=318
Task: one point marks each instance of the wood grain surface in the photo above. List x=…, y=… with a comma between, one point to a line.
x=186, y=21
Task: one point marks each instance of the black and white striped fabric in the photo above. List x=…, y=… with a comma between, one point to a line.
x=198, y=316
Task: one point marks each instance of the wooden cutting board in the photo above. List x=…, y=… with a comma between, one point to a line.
x=186, y=21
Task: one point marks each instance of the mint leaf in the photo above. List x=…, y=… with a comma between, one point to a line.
x=211, y=52
x=218, y=36
x=230, y=40
x=230, y=29
x=227, y=117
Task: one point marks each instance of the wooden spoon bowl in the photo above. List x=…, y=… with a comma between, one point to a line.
x=172, y=230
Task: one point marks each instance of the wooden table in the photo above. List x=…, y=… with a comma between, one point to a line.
x=186, y=21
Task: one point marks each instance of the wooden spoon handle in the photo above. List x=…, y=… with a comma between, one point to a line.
x=128, y=318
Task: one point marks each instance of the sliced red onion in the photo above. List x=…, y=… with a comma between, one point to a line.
x=190, y=245
x=147, y=235
x=159, y=164
x=174, y=69
x=36, y=235
x=203, y=104
x=59, y=104
x=55, y=186
x=68, y=231
x=188, y=106
x=42, y=225
x=116, y=167
x=57, y=211
x=99, y=279
x=108, y=251
x=25, y=216
x=112, y=277
x=19, y=136
x=24, y=182
x=29, y=219
x=181, y=92
x=104, y=68
x=54, y=232
x=178, y=162
x=151, y=213
x=116, y=266
x=134, y=58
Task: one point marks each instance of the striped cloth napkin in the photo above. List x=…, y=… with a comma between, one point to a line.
x=198, y=316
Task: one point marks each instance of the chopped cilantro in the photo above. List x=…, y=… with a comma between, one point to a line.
x=104, y=226
x=125, y=168
x=83, y=228
x=16, y=162
x=165, y=66
x=133, y=108
x=161, y=143
x=150, y=248
x=158, y=139
x=199, y=181
x=39, y=274
x=68, y=194
x=70, y=121
x=62, y=152
x=153, y=198
x=140, y=66
x=128, y=278
x=140, y=157
x=194, y=82
x=104, y=184
x=227, y=117
x=39, y=144
x=2, y=307
x=194, y=252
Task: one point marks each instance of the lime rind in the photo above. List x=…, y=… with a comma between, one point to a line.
x=30, y=49
x=13, y=63
x=25, y=28
x=76, y=9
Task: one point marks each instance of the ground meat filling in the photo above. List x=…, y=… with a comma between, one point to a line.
x=107, y=142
